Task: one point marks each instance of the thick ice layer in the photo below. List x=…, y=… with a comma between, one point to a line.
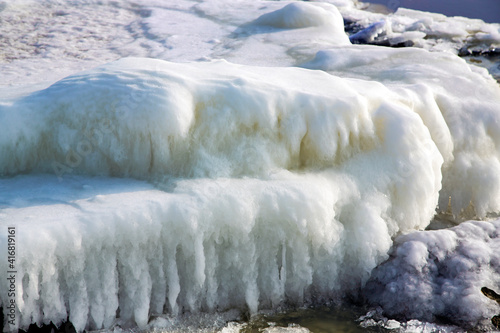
x=141, y=118
x=440, y=274
x=459, y=104
x=206, y=245
x=281, y=184
x=272, y=185
x=431, y=31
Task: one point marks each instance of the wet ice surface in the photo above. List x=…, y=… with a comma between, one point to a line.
x=277, y=178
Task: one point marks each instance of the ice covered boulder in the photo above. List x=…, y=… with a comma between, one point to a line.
x=439, y=274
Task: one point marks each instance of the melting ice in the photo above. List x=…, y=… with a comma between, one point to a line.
x=261, y=160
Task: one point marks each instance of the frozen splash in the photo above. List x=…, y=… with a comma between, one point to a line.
x=241, y=187
x=276, y=181
x=279, y=185
x=458, y=103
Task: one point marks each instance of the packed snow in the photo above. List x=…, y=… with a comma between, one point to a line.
x=160, y=159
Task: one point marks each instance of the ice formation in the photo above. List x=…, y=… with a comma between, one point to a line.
x=272, y=175
x=426, y=30
x=145, y=187
x=438, y=274
x=276, y=176
x=446, y=93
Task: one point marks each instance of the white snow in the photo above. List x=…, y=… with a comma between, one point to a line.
x=260, y=160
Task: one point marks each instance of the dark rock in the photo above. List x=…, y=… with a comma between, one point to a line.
x=352, y=27
x=490, y=294
x=496, y=321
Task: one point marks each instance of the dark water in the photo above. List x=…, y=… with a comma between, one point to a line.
x=487, y=10
x=318, y=320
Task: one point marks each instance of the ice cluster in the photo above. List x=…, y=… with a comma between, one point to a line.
x=279, y=184
x=276, y=180
x=431, y=31
x=440, y=273
x=145, y=187
x=447, y=94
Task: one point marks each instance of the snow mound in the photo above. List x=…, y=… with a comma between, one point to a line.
x=298, y=15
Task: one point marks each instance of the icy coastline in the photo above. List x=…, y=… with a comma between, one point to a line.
x=301, y=169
